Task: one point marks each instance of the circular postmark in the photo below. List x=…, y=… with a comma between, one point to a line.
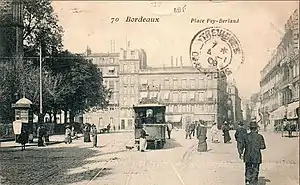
x=216, y=47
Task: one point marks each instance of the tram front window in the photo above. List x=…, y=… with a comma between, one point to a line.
x=159, y=117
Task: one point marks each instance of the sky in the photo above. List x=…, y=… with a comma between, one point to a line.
x=259, y=30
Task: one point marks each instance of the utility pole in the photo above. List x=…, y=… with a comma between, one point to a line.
x=41, y=85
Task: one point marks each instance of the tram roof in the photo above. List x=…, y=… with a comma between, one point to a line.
x=149, y=105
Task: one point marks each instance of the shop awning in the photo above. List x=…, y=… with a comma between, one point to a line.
x=173, y=118
x=291, y=110
x=278, y=113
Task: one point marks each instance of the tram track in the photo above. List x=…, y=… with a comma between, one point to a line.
x=108, y=161
x=57, y=171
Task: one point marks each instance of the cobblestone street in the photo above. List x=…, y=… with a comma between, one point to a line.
x=178, y=163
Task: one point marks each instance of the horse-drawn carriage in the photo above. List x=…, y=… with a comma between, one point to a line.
x=152, y=117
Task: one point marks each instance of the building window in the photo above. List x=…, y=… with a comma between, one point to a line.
x=184, y=108
x=166, y=95
x=184, y=96
x=201, y=96
x=111, y=70
x=175, y=108
x=166, y=84
x=209, y=94
x=175, y=96
x=130, y=125
x=100, y=122
x=175, y=81
x=193, y=85
x=111, y=84
x=183, y=84
x=192, y=95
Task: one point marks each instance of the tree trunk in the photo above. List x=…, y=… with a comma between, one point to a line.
x=55, y=116
x=72, y=115
x=65, y=116
x=50, y=117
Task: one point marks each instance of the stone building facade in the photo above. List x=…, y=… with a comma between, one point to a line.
x=235, y=104
x=279, y=83
x=187, y=93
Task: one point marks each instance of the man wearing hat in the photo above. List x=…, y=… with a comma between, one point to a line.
x=253, y=145
x=240, y=136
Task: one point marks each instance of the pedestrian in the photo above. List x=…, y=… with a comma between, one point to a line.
x=169, y=129
x=114, y=127
x=94, y=135
x=226, y=134
x=214, y=133
x=254, y=143
x=288, y=127
x=143, y=141
x=46, y=136
x=68, y=138
x=193, y=128
x=240, y=136
x=86, y=133
x=23, y=138
x=187, y=130
x=72, y=131
x=108, y=128
x=201, y=135
x=40, y=136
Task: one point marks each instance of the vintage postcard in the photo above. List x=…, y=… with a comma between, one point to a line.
x=149, y=92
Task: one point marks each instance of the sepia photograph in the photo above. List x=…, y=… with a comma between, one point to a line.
x=149, y=92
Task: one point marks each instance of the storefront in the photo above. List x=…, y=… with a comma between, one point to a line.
x=292, y=113
x=176, y=120
x=276, y=118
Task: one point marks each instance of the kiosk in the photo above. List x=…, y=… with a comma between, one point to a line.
x=23, y=118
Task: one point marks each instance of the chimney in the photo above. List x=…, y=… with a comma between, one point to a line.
x=176, y=61
x=171, y=61
x=181, y=61
x=128, y=44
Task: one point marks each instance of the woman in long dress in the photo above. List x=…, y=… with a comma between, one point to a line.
x=226, y=134
x=201, y=135
x=94, y=135
x=68, y=138
x=86, y=133
x=214, y=133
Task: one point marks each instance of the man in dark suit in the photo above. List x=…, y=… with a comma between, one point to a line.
x=253, y=145
x=240, y=136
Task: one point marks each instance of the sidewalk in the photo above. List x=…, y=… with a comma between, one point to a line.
x=54, y=139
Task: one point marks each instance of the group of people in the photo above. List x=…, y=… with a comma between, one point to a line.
x=249, y=145
x=42, y=135
x=88, y=130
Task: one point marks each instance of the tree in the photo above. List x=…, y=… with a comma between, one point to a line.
x=82, y=86
x=41, y=27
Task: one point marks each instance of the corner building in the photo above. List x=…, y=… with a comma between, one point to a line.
x=279, y=83
x=187, y=93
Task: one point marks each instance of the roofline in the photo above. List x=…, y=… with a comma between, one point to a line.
x=149, y=105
